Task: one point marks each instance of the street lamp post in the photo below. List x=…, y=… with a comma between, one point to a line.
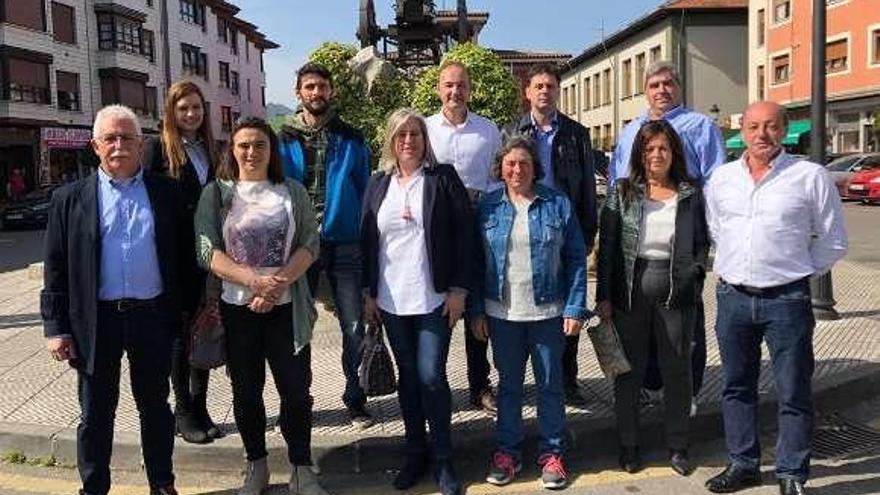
x=821, y=288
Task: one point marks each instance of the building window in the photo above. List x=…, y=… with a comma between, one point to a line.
x=607, y=138
x=836, y=56
x=194, y=61
x=236, y=116
x=875, y=42
x=597, y=93
x=233, y=41
x=626, y=88
x=594, y=137
x=233, y=83
x=149, y=3
x=262, y=68
x=565, y=100
x=224, y=74
x=656, y=53
x=247, y=51
x=222, y=30
x=781, y=11
x=27, y=81
x=26, y=13
x=606, y=87
x=263, y=96
x=762, y=27
x=193, y=12
x=249, y=90
x=585, y=96
x=639, y=78
x=761, y=83
x=148, y=45
x=129, y=89
x=781, y=69
x=226, y=119
x=67, y=84
x=124, y=35
x=63, y=23
x=152, y=101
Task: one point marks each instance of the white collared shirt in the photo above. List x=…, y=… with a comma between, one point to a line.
x=470, y=147
x=786, y=227
x=406, y=286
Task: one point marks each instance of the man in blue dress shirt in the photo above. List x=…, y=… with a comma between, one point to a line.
x=112, y=284
x=704, y=150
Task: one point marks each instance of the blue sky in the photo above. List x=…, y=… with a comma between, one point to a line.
x=300, y=26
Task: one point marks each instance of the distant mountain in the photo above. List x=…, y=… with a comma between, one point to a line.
x=274, y=109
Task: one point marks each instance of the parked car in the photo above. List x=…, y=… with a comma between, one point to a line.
x=30, y=211
x=865, y=186
x=843, y=169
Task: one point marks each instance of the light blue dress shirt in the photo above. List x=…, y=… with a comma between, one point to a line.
x=129, y=263
x=700, y=137
x=544, y=142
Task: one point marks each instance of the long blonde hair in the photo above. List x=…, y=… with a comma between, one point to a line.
x=172, y=144
x=388, y=158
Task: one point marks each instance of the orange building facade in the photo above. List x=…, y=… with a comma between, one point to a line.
x=781, y=58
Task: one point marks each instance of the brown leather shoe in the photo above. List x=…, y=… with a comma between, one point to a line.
x=486, y=402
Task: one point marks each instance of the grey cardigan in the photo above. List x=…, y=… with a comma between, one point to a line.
x=213, y=207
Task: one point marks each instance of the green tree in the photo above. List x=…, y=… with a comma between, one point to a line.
x=364, y=109
x=494, y=91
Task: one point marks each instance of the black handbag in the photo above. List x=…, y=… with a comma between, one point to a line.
x=376, y=373
x=208, y=337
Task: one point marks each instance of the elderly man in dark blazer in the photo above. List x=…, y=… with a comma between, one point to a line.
x=114, y=247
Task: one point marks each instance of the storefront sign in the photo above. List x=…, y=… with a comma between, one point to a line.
x=57, y=137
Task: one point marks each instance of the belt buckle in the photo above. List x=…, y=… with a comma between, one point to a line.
x=123, y=305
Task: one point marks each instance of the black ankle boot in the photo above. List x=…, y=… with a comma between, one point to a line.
x=200, y=410
x=189, y=428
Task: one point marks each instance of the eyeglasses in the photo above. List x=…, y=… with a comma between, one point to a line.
x=111, y=139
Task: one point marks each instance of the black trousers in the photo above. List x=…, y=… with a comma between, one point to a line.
x=252, y=339
x=144, y=334
x=671, y=330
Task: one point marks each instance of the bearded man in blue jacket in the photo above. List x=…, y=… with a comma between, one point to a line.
x=332, y=160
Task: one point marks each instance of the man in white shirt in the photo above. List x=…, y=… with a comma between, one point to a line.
x=469, y=142
x=776, y=221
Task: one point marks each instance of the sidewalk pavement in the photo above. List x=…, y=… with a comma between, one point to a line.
x=39, y=410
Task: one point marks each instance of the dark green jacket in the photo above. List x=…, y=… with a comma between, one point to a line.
x=619, y=234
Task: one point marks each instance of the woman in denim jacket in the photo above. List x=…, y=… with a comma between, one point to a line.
x=534, y=292
x=652, y=255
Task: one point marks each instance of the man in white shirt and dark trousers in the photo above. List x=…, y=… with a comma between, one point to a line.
x=469, y=142
x=776, y=221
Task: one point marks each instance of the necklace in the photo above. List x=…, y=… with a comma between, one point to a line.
x=407, y=192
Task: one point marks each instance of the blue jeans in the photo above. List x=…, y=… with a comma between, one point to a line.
x=342, y=265
x=783, y=317
x=512, y=344
x=420, y=344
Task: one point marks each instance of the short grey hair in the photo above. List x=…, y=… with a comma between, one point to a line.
x=659, y=67
x=115, y=111
x=388, y=158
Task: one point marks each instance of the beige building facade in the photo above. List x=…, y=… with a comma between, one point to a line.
x=603, y=87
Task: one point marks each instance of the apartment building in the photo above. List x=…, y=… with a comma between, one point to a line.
x=603, y=87
x=62, y=60
x=780, y=58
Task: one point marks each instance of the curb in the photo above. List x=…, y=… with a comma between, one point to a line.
x=367, y=453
